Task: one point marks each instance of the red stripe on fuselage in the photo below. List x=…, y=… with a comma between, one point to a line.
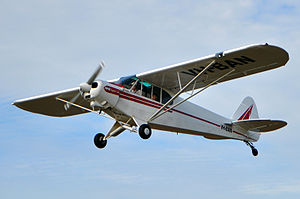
x=156, y=105
x=134, y=98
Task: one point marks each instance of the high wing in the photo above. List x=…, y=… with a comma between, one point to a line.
x=246, y=61
x=48, y=105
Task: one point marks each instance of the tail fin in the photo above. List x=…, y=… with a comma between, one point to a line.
x=246, y=117
x=247, y=110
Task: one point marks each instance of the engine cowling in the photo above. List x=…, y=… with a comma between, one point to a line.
x=104, y=94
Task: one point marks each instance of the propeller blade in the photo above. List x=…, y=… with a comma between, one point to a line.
x=85, y=87
x=67, y=105
x=96, y=73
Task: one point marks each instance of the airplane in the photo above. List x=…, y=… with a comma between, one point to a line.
x=151, y=100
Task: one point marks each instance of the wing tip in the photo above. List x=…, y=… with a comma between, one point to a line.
x=283, y=123
x=15, y=103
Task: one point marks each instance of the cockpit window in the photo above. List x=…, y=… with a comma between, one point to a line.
x=145, y=89
x=127, y=82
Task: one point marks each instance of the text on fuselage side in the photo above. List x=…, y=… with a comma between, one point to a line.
x=226, y=128
x=228, y=63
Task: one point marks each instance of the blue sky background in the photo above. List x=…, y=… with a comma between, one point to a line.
x=47, y=46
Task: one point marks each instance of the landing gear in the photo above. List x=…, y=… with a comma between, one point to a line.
x=145, y=131
x=254, y=150
x=99, y=141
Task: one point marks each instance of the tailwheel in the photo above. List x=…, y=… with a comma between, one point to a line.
x=99, y=140
x=254, y=150
x=145, y=131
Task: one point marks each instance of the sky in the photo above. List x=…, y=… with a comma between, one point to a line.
x=47, y=46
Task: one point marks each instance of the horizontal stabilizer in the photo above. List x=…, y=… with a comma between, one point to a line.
x=260, y=125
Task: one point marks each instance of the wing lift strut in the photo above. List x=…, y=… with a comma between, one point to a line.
x=164, y=109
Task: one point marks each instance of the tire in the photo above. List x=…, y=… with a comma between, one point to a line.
x=145, y=131
x=99, y=142
x=254, y=152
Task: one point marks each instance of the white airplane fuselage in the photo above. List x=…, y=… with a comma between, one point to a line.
x=187, y=118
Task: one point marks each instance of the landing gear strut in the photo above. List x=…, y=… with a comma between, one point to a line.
x=145, y=131
x=254, y=150
x=99, y=141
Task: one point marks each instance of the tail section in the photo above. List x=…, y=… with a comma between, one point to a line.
x=246, y=121
x=247, y=110
x=246, y=117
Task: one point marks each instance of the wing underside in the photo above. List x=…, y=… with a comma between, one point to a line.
x=246, y=61
x=48, y=105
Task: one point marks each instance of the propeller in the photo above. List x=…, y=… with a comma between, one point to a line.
x=86, y=86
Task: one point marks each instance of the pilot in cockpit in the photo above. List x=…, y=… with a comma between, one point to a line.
x=135, y=89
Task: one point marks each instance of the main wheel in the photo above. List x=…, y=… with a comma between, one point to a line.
x=99, y=141
x=145, y=131
x=254, y=151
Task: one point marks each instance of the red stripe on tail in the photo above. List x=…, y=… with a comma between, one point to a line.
x=246, y=115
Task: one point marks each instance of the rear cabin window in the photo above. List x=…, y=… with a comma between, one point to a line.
x=145, y=89
x=165, y=97
x=156, y=93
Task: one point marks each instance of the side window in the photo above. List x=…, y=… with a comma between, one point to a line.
x=156, y=93
x=137, y=88
x=166, y=97
x=147, y=89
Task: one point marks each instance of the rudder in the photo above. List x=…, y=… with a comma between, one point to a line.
x=247, y=110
